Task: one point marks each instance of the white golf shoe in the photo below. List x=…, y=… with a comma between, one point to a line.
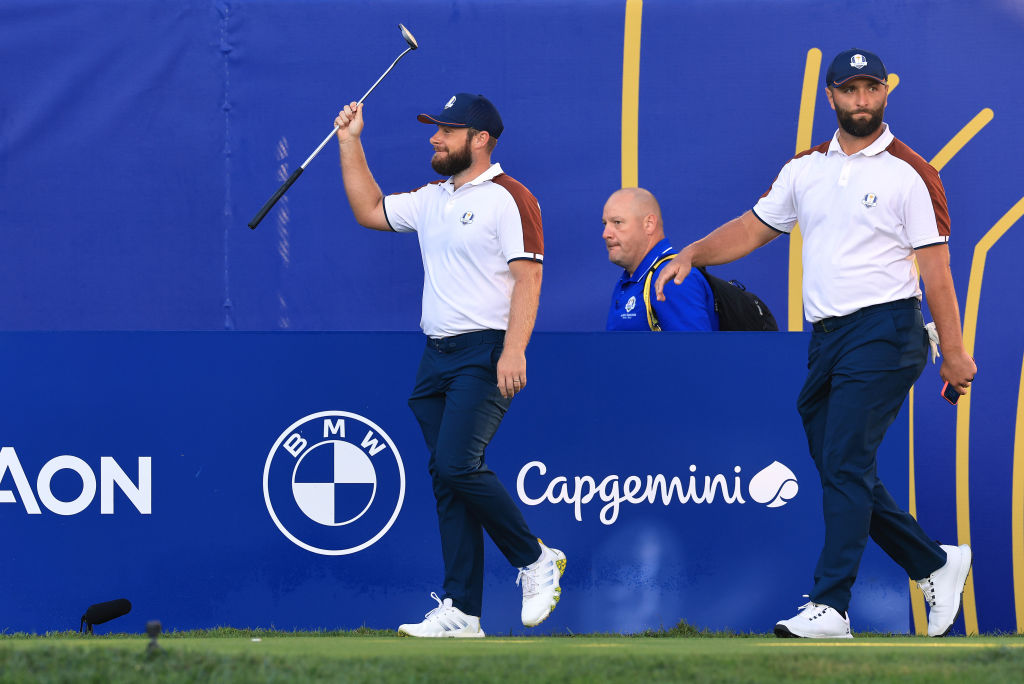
x=540, y=585
x=445, y=621
x=944, y=588
x=815, y=621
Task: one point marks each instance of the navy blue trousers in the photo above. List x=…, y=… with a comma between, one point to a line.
x=458, y=405
x=860, y=368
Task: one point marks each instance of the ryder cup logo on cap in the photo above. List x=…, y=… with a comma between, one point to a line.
x=334, y=483
x=855, y=63
x=466, y=110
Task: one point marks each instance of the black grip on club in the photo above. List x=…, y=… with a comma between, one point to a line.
x=276, y=196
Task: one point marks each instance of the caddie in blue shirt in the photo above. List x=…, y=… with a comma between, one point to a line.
x=635, y=237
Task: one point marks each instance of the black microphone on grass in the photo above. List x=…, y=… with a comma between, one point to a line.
x=98, y=613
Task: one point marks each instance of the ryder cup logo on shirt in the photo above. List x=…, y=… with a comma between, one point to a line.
x=631, y=304
x=334, y=483
x=870, y=200
x=467, y=217
x=858, y=61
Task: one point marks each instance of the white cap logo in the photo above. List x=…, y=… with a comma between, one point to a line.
x=452, y=101
x=858, y=61
x=774, y=486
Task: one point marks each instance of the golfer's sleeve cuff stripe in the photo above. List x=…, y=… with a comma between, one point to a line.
x=384, y=206
x=784, y=232
x=527, y=256
x=944, y=239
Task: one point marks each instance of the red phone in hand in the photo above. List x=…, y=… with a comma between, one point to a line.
x=950, y=394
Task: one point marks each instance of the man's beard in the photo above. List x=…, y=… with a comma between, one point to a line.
x=454, y=163
x=860, y=128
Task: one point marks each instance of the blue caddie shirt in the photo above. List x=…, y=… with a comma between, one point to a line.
x=689, y=306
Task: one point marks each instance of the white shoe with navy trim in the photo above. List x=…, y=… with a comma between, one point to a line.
x=445, y=621
x=815, y=621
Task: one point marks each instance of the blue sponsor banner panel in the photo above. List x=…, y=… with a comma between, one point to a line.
x=279, y=479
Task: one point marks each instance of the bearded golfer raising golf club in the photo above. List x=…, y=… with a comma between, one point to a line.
x=483, y=247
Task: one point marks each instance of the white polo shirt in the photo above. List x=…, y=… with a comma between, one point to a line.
x=467, y=239
x=861, y=217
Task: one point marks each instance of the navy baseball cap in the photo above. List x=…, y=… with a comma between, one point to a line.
x=465, y=110
x=853, y=63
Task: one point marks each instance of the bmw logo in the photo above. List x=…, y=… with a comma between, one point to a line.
x=334, y=483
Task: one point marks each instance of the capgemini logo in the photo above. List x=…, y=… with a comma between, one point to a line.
x=773, y=486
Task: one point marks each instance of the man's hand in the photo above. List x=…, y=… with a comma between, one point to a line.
x=511, y=372
x=958, y=369
x=676, y=270
x=349, y=122
x=730, y=241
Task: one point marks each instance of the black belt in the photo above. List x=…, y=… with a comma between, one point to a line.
x=457, y=342
x=836, y=322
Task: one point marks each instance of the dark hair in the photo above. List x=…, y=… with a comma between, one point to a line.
x=470, y=132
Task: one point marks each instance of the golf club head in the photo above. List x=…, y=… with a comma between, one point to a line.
x=408, y=37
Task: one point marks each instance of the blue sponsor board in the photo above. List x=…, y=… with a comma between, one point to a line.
x=258, y=479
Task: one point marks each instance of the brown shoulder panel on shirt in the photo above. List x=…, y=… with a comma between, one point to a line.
x=529, y=212
x=823, y=148
x=931, y=180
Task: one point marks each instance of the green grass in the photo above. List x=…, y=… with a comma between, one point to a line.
x=679, y=654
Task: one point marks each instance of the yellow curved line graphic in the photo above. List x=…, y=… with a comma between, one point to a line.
x=916, y=597
x=979, y=121
x=1017, y=507
x=804, y=130
x=963, y=413
x=631, y=94
x=947, y=152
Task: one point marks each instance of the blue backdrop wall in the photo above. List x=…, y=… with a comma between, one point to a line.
x=210, y=430
x=137, y=138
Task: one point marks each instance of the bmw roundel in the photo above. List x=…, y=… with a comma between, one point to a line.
x=334, y=483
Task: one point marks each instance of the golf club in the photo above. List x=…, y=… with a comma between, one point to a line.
x=298, y=172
